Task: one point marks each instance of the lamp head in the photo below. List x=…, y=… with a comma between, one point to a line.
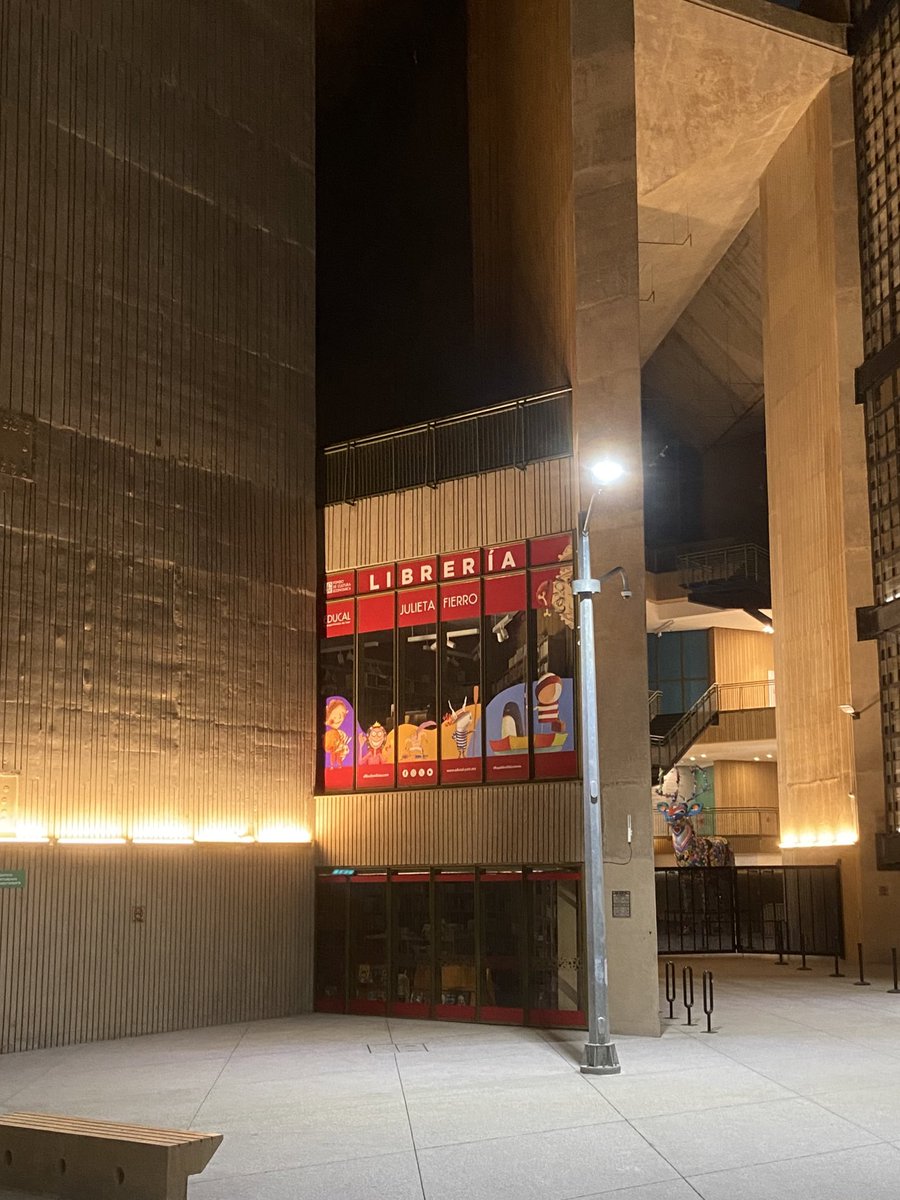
x=607, y=471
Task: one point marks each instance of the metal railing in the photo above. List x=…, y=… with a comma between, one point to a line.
x=749, y=910
x=512, y=434
x=728, y=822
x=728, y=562
x=666, y=749
x=653, y=704
x=757, y=693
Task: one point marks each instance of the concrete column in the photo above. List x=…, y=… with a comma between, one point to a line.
x=607, y=414
x=830, y=784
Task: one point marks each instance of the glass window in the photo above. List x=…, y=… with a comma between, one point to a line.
x=455, y=941
x=413, y=970
x=505, y=649
x=368, y=944
x=375, y=692
x=462, y=752
x=553, y=686
x=336, y=691
x=417, y=655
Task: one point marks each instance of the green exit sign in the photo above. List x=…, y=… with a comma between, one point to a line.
x=12, y=879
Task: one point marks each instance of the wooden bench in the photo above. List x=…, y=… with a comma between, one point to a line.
x=68, y=1157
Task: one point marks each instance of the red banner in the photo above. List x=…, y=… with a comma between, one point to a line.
x=546, y=550
x=375, y=612
x=339, y=618
x=343, y=584
x=417, y=608
x=463, y=565
x=376, y=579
x=461, y=601
x=416, y=572
x=506, y=593
x=509, y=557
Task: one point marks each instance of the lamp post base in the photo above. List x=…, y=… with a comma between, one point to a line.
x=600, y=1058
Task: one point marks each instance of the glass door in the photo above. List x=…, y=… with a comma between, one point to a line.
x=501, y=908
x=555, y=976
x=331, y=944
x=454, y=897
x=368, y=944
x=412, y=970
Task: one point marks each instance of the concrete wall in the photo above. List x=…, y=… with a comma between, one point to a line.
x=520, y=165
x=156, y=407
x=829, y=765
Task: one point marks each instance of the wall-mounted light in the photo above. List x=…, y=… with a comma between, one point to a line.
x=850, y=711
x=607, y=471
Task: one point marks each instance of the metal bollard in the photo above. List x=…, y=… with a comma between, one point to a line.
x=687, y=992
x=779, y=942
x=862, y=981
x=895, y=988
x=708, y=1000
x=837, y=973
x=671, y=991
x=803, y=966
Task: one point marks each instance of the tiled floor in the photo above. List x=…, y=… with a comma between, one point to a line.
x=797, y=1095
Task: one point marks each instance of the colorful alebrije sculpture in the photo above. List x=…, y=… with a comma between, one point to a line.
x=679, y=807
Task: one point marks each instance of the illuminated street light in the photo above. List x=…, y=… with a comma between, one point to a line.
x=600, y=1056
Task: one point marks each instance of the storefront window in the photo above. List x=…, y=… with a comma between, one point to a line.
x=506, y=673
x=336, y=691
x=368, y=944
x=452, y=670
x=491, y=944
x=375, y=693
x=553, y=685
x=462, y=752
x=417, y=658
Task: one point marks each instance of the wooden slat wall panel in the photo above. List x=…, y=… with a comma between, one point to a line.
x=533, y=823
x=477, y=511
x=227, y=937
x=746, y=784
x=740, y=656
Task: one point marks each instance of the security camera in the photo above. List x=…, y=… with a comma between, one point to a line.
x=626, y=593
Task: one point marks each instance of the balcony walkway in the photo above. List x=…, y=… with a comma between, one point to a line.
x=797, y=1095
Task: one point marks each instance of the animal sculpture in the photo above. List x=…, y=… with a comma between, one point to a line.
x=679, y=806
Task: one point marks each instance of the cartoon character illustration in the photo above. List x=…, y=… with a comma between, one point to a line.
x=336, y=741
x=547, y=692
x=555, y=595
x=462, y=720
x=413, y=749
x=511, y=723
x=679, y=808
x=372, y=745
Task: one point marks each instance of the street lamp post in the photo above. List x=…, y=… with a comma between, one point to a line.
x=600, y=1057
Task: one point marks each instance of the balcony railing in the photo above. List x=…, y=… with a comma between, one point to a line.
x=725, y=563
x=666, y=749
x=758, y=693
x=728, y=822
x=512, y=434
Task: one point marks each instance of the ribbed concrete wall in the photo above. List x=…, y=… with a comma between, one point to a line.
x=225, y=936
x=158, y=560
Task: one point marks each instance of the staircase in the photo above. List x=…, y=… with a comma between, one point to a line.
x=667, y=748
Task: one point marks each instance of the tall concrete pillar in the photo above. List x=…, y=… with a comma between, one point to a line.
x=606, y=383
x=829, y=768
